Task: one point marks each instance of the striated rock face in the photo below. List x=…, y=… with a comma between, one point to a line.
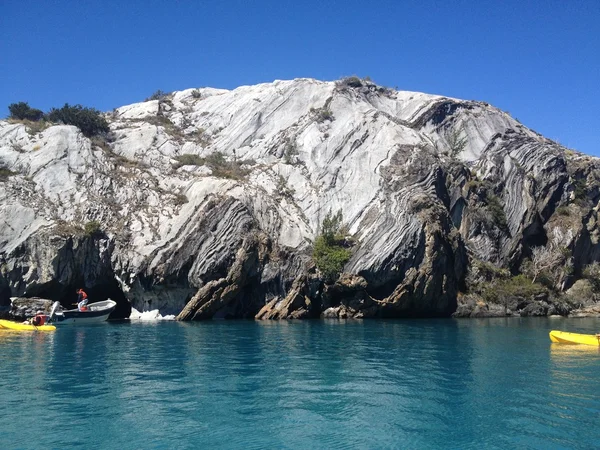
x=240, y=285
x=208, y=202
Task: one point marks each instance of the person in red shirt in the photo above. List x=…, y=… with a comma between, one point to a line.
x=82, y=300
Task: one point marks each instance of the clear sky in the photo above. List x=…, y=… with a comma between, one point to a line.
x=537, y=59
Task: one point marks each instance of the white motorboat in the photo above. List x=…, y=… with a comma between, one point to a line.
x=95, y=313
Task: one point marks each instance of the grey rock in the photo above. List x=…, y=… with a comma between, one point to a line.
x=25, y=308
x=535, y=309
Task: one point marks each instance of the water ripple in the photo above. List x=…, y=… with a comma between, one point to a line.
x=386, y=384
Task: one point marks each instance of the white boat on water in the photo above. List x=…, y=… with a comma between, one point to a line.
x=95, y=313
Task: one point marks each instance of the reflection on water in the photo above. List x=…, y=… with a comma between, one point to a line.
x=326, y=384
x=573, y=354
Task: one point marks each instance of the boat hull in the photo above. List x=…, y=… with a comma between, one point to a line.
x=563, y=337
x=15, y=326
x=97, y=312
x=80, y=319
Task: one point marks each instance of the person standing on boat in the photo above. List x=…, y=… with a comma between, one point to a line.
x=82, y=300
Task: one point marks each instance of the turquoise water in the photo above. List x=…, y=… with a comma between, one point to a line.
x=489, y=383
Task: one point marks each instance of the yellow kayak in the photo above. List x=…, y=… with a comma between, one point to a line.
x=573, y=338
x=8, y=325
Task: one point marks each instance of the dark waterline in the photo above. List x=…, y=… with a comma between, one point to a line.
x=493, y=383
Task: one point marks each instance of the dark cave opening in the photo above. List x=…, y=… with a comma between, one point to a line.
x=67, y=295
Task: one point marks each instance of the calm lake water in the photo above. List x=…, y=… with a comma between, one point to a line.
x=493, y=383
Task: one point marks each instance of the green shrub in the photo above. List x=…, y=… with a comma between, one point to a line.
x=227, y=169
x=200, y=137
x=217, y=163
x=283, y=189
x=34, y=128
x=92, y=228
x=101, y=142
x=352, y=81
x=329, y=253
x=180, y=199
x=158, y=95
x=88, y=120
x=322, y=114
x=517, y=286
x=196, y=93
x=160, y=121
x=580, y=189
x=290, y=152
x=487, y=271
x=457, y=141
x=22, y=111
x=330, y=259
x=5, y=173
x=592, y=273
x=64, y=228
x=188, y=159
x=494, y=206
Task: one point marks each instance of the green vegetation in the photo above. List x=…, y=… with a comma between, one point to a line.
x=180, y=199
x=158, y=95
x=591, y=272
x=88, y=120
x=487, y=271
x=66, y=229
x=34, y=128
x=290, y=151
x=457, y=141
x=322, y=114
x=217, y=163
x=200, y=137
x=496, y=209
x=196, y=93
x=549, y=265
x=22, y=111
x=330, y=251
x=352, y=81
x=283, y=189
x=493, y=214
x=188, y=159
x=92, y=228
x=5, y=173
x=517, y=286
x=580, y=190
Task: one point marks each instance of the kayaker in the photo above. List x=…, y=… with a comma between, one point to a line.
x=82, y=300
x=39, y=319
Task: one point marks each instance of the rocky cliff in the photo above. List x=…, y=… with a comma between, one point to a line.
x=206, y=203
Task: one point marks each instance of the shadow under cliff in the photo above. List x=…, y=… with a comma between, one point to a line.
x=67, y=295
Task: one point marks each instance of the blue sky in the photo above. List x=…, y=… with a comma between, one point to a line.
x=539, y=60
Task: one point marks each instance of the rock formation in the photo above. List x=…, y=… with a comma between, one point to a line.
x=205, y=203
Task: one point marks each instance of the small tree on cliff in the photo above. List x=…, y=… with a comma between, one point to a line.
x=22, y=111
x=553, y=264
x=88, y=120
x=330, y=253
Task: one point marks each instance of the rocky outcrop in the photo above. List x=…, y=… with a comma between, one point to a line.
x=205, y=203
x=239, y=285
x=588, y=311
x=298, y=304
x=25, y=308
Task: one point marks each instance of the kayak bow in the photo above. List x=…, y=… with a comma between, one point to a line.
x=563, y=337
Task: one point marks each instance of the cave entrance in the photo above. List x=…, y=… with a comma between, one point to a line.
x=67, y=296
